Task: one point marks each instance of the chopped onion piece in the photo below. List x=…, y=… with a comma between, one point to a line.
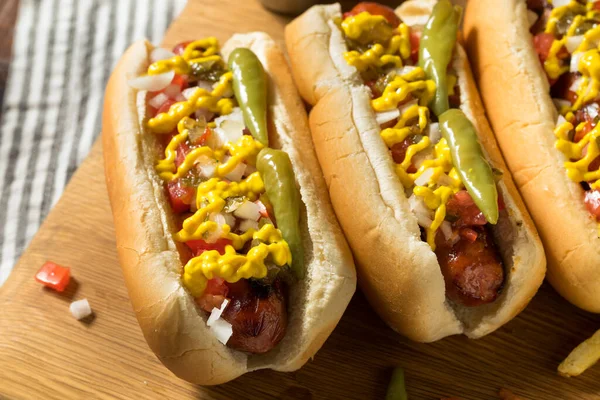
x=435, y=134
x=204, y=113
x=573, y=42
x=215, y=314
x=446, y=229
x=80, y=309
x=248, y=224
x=387, y=116
x=404, y=70
x=532, y=18
x=560, y=103
x=180, y=97
x=407, y=105
x=423, y=179
x=152, y=83
x=593, y=110
x=208, y=170
x=160, y=53
x=187, y=93
x=215, y=235
x=574, y=66
x=576, y=84
x=560, y=3
x=420, y=210
x=230, y=127
x=561, y=120
x=158, y=100
x=250, y=169
x=236, y=174
x=248, y=210
x=229, y=219
x=205, y=85
x=172, y=90
x=222, y=330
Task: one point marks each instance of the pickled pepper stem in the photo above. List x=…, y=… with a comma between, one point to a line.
x=397, y=388
x=250, y=89
x=436, y=48
x=470, y=163
x=276, y=170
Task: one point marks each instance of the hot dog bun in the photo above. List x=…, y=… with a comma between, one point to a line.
x=517, y=95
x=170, y=321
x=398, y=272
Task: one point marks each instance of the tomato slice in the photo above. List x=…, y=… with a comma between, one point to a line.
x=181, y=81
x=180, y=196
x=182, y=150
x=180, y=48
x=415, y=41
x=200, y=246
x=375, y=9
x=54, y=276
x=596, y=6
x=461, y=205
x=592, y=202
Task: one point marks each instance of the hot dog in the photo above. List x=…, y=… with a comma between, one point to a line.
x=443, y=244
x=539, y=81
x=231, y=253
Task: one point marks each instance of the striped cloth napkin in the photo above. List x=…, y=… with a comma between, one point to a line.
x=63, y=53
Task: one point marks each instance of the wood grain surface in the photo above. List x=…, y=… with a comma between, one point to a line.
x=46, y=353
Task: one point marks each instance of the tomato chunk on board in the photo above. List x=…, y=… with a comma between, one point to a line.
x=54, y=276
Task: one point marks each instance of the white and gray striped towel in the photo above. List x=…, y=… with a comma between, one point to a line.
x=63, y=53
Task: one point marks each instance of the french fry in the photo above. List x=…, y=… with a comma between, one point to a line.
x=582, y=357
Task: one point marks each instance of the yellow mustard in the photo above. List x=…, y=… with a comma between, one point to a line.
x=390, y=49
x=587, y=91
x=232, y=266
x=199, y=51
x=212, y=195
x=444, y=180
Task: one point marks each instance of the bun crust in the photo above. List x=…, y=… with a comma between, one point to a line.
x=516, y=95
x=398, y=272
x=174, y=328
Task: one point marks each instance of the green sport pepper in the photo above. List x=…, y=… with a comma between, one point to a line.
x=397, y=388
x=436, y=47
x=472, y=167
x=250, y=88
x=280, y=184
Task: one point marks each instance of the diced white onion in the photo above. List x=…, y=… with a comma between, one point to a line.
x=222, y=330
x=420, y=210
x=250, y=169
x=560, y=120
x=236, y=174
x=574, y=66
x=248, y=224
x=180, y=97
x=248, y=210
x=560, y=3
x=215, y=314
x=407, y=105
x=404, y=70
x=208, y=170
x=160, y=53
x=205, y=85
x=592, y=110
x=387, y=116
x=576, y=84
x=187, y=93
x=435, y=134
x=446, y=229
x=152, y=83
x=204, y=113
x=560, y=103
x=532, y=17
x=216, y=234
x=573, y=42
x=80, y=309
x=230, y=127
x=423, y=155
x=424, y=177
x=172, y=90
x=158, y=100
x=444, y=180
x=229, y=219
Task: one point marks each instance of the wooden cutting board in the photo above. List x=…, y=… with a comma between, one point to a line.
x=45, y=353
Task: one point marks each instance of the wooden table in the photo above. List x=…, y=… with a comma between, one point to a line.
x=45, y=353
